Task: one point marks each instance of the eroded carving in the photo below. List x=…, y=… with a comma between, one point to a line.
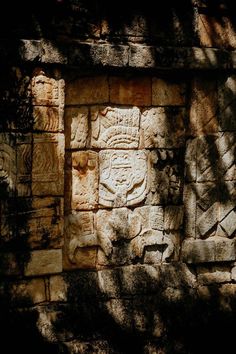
x=7, y=164
x=47, y=91
x=76, y=124
x=123, y=177
x=115, y=128
x=165, y=177
x=84, y=180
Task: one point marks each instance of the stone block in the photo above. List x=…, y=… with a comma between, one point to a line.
x=163, y=127
x=233, y=272
x=84, y=184
x=203, y=107
x=48, y=119
x=28, y=292
x=190, y=197
x=120, y=311
x=168, y=92
x=84, y=258
x=109, y=55
x=165, y=177
x=141, y=56
x=213, y=249
x=123, y=177
x=227, y=103
x=225, y=249
x=57, y=288
x=47, y=91
x=40, y=220
x=87, y=90
x=218, y=32
x=76, y=127
x=115, y=127
x=198, y=251
x=130, y=91
x=213, y=275
x=48, y=164
x=43, y=262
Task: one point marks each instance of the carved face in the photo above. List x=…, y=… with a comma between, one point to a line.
x=122, y=177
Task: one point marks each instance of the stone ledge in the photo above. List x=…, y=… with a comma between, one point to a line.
x=217, y=249
x=90, y=55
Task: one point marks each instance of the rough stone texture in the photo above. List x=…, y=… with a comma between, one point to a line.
x=48, y=119
x=28, y=292
x=213, y=275
x=76, y=126
x=163, y=128
x=57, y=288
x=115, y=127
x=130, y=91
x=214, y=249
x=44, y=262
x=167, y=93
x=89, y=90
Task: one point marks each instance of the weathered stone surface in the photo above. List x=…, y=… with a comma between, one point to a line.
x=227, y=103
x=109, y=55
x=141, y=56
x=203, y=107
x=76, y=126
x=233, y=272
x=96, y=346
x=216, y=32
x=47, y=91
x=198, y=251
x=28, y=292
x=48, y=164
x=40, y=220
x=115, y=127
x=165, y=178
x=84, y=188
x=7, y=164
x=57, y=288
x=44, y=262
x=214, y=249
x=48, y=119
x=135, y=91
x=167, y=92
x=173, y=218
x=163, y=127
x=123, y=177
x=217, y=274
x=88, y=90
x=24, y=165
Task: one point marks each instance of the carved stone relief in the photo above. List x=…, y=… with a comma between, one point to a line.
x=115, y=128
x=7, y=164
x=123, y=177
x=84, y=180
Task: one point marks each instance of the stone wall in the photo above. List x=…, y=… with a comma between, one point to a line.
x=117, y=179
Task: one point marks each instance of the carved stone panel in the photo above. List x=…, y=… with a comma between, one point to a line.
x=24, y=164
x=84, y=185
x=76, y=125
x=115, y=127
x=47, y=91
x=123, y=177
x=48, y=164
